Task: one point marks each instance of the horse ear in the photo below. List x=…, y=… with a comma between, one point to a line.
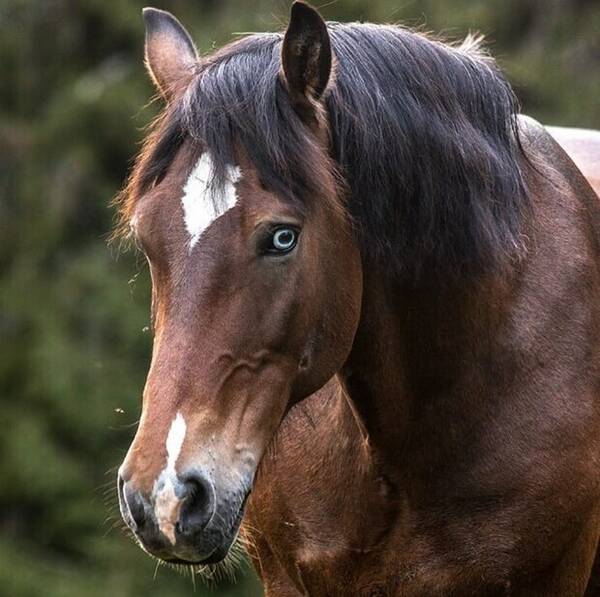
x=306, y=54
x=170, y=54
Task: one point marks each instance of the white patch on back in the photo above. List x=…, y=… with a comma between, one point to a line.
x=166, y=502
x=202, y=203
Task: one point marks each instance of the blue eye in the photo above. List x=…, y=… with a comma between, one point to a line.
x=283, y=240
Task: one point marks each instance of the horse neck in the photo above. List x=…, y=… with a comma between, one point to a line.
x=411, y=356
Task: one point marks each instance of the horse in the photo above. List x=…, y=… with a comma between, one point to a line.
x=327, y=415
x=375, y=304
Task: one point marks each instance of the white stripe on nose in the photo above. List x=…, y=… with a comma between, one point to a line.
x=175, y=440
x=166, y=502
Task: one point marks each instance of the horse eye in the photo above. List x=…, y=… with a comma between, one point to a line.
x=283, y=240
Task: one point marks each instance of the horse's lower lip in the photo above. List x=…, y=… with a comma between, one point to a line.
x=206, y=560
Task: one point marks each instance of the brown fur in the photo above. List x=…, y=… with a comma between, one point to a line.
x=490, y=488
x=454, y=450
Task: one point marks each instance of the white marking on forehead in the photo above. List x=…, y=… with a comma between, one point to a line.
x=166, y=502
x=202, y=203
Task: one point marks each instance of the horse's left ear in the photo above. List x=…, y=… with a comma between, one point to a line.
x=170, y=53
x=306, y=55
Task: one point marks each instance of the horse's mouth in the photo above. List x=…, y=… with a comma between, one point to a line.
x=212, y=558
x=216, y=555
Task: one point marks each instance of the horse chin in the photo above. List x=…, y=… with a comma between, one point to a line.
x=190, y=555
x=190, y=558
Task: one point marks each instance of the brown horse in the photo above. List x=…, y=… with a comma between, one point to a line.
x=283, y=517
x=396, y=226
x=308, y=528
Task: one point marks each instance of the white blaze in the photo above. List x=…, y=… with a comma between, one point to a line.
x=167, y=504
x=175, y=441
x=203, y=204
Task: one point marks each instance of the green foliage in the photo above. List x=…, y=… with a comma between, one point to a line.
x=73, y=313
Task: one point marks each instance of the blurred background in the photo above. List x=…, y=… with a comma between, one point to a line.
x=74, y=312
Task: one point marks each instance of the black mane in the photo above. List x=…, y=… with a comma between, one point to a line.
x=424, y=134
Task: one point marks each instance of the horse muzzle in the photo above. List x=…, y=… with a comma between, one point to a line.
x=184, y=520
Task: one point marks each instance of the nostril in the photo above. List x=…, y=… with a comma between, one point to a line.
x=132, y=505
x=136, y=507
x=198, y=505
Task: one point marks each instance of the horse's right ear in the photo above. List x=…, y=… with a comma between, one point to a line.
x=306, y=56
x=170, y=54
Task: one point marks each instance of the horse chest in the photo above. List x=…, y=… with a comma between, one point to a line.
x=319, y=534
x=320, y=570
x=404, y=569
